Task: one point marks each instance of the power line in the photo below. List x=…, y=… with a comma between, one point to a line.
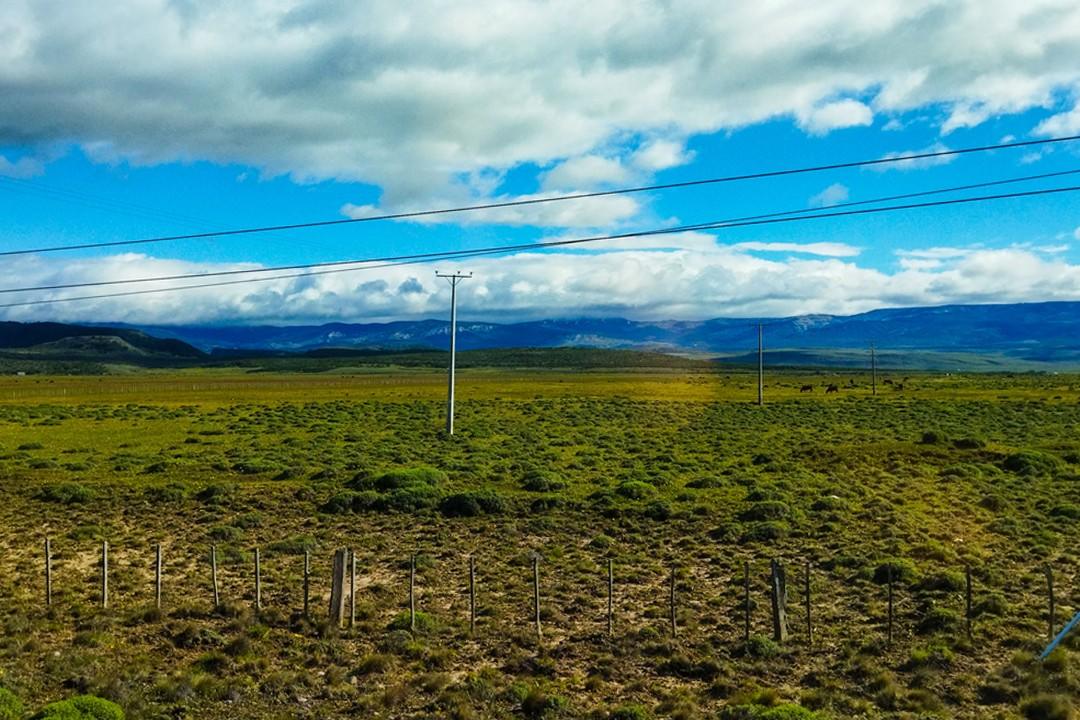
x=553, y=198
x=749, y=221
x=457, y=254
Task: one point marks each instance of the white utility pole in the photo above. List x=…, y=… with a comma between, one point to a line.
x=453, y=279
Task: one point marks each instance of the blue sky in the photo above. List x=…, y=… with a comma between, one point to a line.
x=322, y=110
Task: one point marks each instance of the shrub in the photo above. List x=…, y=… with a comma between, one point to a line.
x=350, y=501
x=902, y=569
x=406, y=477
x=939, y=619
x=765, y=532
x=11, y=708
x=705, y=483
x=1067, y=510
x=409, y=499
x=931, y=437
x=173, y=492
x=657, y=510
x=1048, y=707
x=296, y=545
x=969, y=444
x=67, y=493
x=82, y=707
x=31, y=446
x=539, y=704
x=471, y=504
x=948, y=581
x=760, y=646
x=784, y=711
x=1030, y=463
x=424, y=623
x=629, y=712
x=766, y=510
x=635, y=489
x=541, y=481
x=216, y=493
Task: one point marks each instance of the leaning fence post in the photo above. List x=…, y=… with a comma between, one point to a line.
x=104, y=573
x=213, y=575
x=1051, y=619
x=157, y=576
x=48, y=572
x=779, y=602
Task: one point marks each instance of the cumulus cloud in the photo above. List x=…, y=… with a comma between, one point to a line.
x=1076, y=233
x=828, y=249
x=21, y=168
x=916, y=163
x=835, y=193
x=695, y=279
x=835, y=115
x=411, y=96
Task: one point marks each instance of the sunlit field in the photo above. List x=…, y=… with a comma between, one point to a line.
x=664, y=473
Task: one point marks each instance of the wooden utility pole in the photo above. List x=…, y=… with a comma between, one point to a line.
x=778, y=584
x=337, y=589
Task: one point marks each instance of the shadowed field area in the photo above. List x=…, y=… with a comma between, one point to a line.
x=654, y=470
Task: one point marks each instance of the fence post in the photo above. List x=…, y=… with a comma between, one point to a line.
x=337, y=589
x=746, y=601
x=104, y=573
x=472, y=594
x=778, y=585
x=213, y=576
x=157, y=576
x=352, y=588
x=967, y=599
x=610, y=597
x=809, y=619
x=674, y=625
x=536, y=594
x=307, y=583
x=1051, y=619
x=412, y=593
x=48, y=572
x=258, y=581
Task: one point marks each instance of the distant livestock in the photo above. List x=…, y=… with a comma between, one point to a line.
x=888, y=382
x=806, y=388
x=898, y=387
x=832, y=389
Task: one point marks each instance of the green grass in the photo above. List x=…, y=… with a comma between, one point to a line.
x=649, y=469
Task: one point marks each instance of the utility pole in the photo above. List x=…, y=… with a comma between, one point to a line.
x=873, y=368
x=760, y=368
x=453, y=279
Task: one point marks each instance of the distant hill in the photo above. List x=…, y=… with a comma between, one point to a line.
x=62, y=341
x=1042, y=332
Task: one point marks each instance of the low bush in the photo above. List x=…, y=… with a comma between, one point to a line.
x=11, y=708
x=67, y=493
x=82, y=707
x=471, y=504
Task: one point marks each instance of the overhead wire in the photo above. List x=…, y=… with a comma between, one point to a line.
x=892, y=159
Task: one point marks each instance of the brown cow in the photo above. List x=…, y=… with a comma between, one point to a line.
x=806, y=388
x=832, y=389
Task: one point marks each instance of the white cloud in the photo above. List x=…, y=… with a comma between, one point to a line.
x=1076, y=234
x=22, y=168
x=835, y=193
x=660, y=155
x=835, y=115
x=698, y=280
x=585, y=171
x=411, y=96
x=915, y=163
x=827, y=249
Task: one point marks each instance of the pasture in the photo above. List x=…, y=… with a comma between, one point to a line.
x=666, y=473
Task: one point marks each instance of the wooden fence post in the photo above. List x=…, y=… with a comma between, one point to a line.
x=1051, y=618
x=104, y=573
x=746, y=601
x=610, y=597
x=337, y=589
x=48, y=572
x=809, y=619
x=536, y=594
x=778, y=584
x=307, y=583
x=213, y=576
x=157, y=576
x=967, y=599
x=412, y=593
x=674, y=625
x=472, y=594
x=258, y=581
x=352, y=588
x=889, y=622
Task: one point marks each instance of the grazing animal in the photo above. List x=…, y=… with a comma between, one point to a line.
x=898, y=386
x=832, y=389
x=888, y=382
x=806, y=388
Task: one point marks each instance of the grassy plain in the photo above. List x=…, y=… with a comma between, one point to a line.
x=650, y=468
